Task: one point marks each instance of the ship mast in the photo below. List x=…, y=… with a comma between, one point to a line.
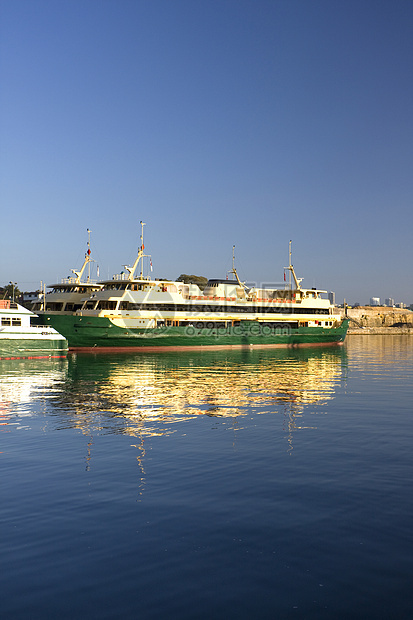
x=290, y=268
x=142, y=247
x=87, y=261
x=233, y=270
x=289, y=261
x=88, y=253
x=139, y=257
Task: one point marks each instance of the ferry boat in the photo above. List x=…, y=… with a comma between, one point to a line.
x=20, y=339
x=136, y=313
x=68, y=295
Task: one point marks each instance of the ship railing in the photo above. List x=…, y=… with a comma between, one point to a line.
x=41, y=327
x=71, y=280
x=120, y=276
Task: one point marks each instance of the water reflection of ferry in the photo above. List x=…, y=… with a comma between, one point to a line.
x=139, y=393
x=134, y=394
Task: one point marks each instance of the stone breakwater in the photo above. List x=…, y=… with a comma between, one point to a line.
x=380, y=320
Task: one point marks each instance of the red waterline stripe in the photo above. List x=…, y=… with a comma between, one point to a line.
x=34, y=357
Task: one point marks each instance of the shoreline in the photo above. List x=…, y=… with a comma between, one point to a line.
x=380, y=331
x=380, y=321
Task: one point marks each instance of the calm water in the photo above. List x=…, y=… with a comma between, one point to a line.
x=228, y=484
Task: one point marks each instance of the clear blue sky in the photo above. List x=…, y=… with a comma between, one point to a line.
x=216, y=122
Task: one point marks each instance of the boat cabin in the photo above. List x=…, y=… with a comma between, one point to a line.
x=224, y=289
x=13, y=315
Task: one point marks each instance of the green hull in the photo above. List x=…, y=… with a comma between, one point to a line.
x=28, y=348
x=84, y=332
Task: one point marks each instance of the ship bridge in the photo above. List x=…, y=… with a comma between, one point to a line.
x=224, y=288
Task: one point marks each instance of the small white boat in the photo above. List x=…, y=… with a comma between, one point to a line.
x=20, y=339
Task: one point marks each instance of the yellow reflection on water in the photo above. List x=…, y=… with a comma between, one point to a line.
x=149, y=394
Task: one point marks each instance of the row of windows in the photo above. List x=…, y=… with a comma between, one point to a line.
x=72, y=289
x=57, y=307
x=6, y=322
x=125, y=305
x=226, y=324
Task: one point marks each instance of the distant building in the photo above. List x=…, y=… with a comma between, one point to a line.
x=374, y=301
x=28, y=298
x=332, y=298
x=389, y=302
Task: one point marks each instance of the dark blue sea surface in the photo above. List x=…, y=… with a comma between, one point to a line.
x=215, y=484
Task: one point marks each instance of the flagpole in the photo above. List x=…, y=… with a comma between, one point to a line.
x=142, y=247
x=88, y=253
x=289, y=262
